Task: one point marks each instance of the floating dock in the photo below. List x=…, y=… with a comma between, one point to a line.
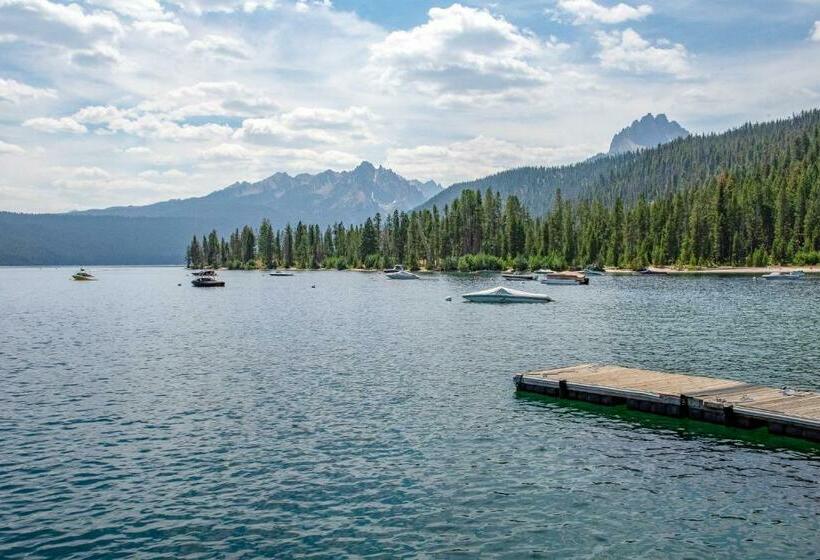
x=723, y=401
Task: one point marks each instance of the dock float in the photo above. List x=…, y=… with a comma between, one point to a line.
x=724, y=401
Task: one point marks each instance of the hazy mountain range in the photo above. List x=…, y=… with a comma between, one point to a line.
x=158, y=233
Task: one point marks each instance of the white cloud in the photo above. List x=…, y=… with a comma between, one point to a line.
x=228, y=152
x=815, y=35
x=589, y=10
x=459, y=50
x=136, y=9
x=6, y=148
x=69, y=15
x=17, y=92
x=627, y=50
x=211, y=98
x=312, y=125
x=476, y=157
x=155, y=29
x=89, y=172
x=100, y=54
x=65, y=124
x=221, y=46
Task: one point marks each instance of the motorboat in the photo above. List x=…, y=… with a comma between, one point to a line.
x=205, y=272
x=518, y=276
x=400, y=274
x=565, y=278
x=280, y=273
x=593, y=271
x=83, y=275
x=780, y=275
x=544, y=271
x=207, y=281
x=651, y=271
x=506, y=295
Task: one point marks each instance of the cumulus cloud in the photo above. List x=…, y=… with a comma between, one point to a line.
x=100, y=54
x=310, y=124
x=156, y=29
x=474, y=158
x=13, y=91
x=627, y=50
x=220, y=46
x=64, y=124
x=228, y=152
x=211, y=98
x=135, y=9
x=461, y=49
x=7, y=148
x=71, y=16
x=585, y=11
x=815, y=35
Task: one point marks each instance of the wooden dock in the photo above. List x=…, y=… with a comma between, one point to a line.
x=724, y=401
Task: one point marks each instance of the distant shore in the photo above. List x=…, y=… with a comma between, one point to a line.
x=723, y=270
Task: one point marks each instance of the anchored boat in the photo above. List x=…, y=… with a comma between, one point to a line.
x=562, y=278
x=517, y=276
x=207, y=281
x=82, y=275
x=280, y=273
x=506, y=295
x=400, y=274
x=793, y=275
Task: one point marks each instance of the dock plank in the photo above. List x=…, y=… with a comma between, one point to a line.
x=679, y=394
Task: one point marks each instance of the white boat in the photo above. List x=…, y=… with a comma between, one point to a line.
x=564, y=278
x=401, y=274
x=518, y=276
x=545, y=271
x=593, y=272
x=506, y=295
x=793, y=275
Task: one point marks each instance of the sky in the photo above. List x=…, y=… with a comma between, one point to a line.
x=116, y=102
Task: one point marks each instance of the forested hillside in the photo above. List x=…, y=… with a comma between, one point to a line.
x=680, y=164
x=762, y=207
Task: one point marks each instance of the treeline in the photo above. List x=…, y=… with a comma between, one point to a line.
x=765, y=213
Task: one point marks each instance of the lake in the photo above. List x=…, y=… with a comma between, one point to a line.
x=371, y=417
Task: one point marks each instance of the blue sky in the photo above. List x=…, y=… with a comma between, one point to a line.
x=107, y=102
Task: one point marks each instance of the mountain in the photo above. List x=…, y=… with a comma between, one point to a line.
x=648, y=132
x=651, y=172
x=159, y=233
x=325, y=198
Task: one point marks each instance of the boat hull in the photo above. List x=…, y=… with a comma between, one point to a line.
x=506, y=299
x=518, y=277
x=213, y=284
x=402, y=275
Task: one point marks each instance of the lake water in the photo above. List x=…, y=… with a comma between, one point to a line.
x=371, y=417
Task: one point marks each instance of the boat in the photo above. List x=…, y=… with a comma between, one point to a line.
x=593, y=271
x=517, y=276
x=207, y=281
x=545, y=271
x=394, y=269
x=651, y=271
x=280, y=273
x=506, y=295
x=82, y=275
x=400, y=274
x=780, y=275
x=568, y=278
x=205, y=272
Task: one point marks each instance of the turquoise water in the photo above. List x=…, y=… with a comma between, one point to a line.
x=371, y=417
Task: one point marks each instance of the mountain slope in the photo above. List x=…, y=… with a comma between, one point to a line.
x=327, y=197
x=648, y=132
x=651, y=172
x=159, y=233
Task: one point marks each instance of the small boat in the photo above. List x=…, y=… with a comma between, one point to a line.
x=517, y=276
x=506, y=295
x=650, y=271
x=545, y=271
x=82, y=275
x=593, y=271
x=400, y=274
x=207, y=281
x=205, y=272
x=280, y=273
x=569, y=278
x=779, y=275
x=394, y=269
